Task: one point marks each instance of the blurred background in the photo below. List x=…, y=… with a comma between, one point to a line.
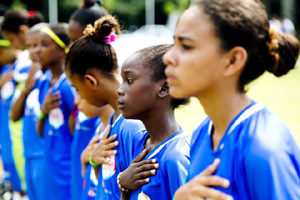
x=149, y=22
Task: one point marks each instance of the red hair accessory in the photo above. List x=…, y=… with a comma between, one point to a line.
x=31, y=13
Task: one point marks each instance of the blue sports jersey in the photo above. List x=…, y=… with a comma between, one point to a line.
x=125, y=129
x=173, y=156
x=58, y=139
x=84, y=131
x=6, y=97
x=90, y=181
x=258, y=154
x=33, y=143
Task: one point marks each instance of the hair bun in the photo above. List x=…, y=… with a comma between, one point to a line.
x=103, y=27
x=284, y=50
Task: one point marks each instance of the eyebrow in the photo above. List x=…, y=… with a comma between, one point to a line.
x=182, y=38
x=128, y=71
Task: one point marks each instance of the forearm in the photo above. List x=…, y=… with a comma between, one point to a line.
x=17, y=109
x=96, y=168
x=40, y=127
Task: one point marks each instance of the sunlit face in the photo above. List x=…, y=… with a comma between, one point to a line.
x=75, y=31
x=17, y=40
x=89, y=110
x=48, y=51
x=92, y=95
x=138, y=92
x=31, y=46
x=194, y=62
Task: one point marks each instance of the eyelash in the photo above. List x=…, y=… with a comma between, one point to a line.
x=129, y=80
x=186, y=47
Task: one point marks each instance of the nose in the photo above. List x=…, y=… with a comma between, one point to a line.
x=169, y=58
x=120, y=91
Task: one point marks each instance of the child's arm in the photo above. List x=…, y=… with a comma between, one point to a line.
x=51, y=101
x=86, y=153
x=5, y=77
x=199, y=188
x=138, y=173
x=102, y=150
x=17, y=109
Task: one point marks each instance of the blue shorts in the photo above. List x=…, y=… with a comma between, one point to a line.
x=11, y=175
x=34, y=176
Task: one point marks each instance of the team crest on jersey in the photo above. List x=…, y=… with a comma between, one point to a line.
x=56, y=118
x=7, y=90
x=109, y=170
x=32, y=102
x=142, y=196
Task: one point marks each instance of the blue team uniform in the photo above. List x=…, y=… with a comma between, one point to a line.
x=10, y=172
x=11, y=132
x=33, y=143
x=258, y=154
x=84, y=131
x=107, y=178
x=90, y=181
x=173, y=156
x=58, y=140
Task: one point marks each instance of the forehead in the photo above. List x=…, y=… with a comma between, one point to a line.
x=133, y=64
x=194, y=22
x=33, y=37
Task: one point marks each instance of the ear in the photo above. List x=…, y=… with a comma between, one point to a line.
x=237, y=60
x=91, y=80
x=164, y=90
x=23, y=29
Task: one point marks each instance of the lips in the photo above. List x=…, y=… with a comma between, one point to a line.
x=120, y=104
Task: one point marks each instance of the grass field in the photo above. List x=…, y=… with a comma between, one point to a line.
x=281, y=95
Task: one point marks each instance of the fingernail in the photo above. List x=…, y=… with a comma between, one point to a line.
x=229, y=198
x=226, y=183
x=153, y=171
x=153, y=160
x=156, y=165
x=147, y=179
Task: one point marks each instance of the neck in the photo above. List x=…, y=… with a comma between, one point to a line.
x=57, y=69
x=222, y=109
x=113, y=96
x=105, y=114
x=160, y=126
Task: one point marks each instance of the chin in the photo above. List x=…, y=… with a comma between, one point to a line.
x=178, y=93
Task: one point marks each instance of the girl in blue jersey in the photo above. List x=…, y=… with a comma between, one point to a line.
x=27, y=107
x=144, y=95
x=88, y=14
x=220, y=46
x=102, y=114
x=57, y=101
x=8, y=57
x=91, y=66
x=14, y=28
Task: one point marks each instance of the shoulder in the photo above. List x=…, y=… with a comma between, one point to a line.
x=130, y=126
x=177, y=152
x=200, y=132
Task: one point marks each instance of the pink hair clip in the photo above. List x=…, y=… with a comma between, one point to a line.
x=110, y=38
x=31, y=13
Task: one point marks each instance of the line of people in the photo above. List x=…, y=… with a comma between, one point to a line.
x=116, y=136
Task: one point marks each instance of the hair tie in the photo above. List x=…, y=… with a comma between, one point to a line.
x=55, y=38
x=31, y=13
x=110, y=38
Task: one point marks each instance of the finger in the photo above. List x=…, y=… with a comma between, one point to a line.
x=94, y=140
x=211, y=168
x=145, y=174
x=145, y=162
x=49, y=91
x=57, y=93
x=142, y=182
x=110, y=139
x=54, y=97
x=54, y=105
x=107, y=131
x=213, y=181
x=141, y=156
x=111, y=145
x=109, y=153
x=147, y=167
x=210, y=193
x=102, y=160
